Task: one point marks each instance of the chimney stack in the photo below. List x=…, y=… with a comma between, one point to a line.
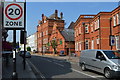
x=42, y=18
x=56, y=14
x=61, y=15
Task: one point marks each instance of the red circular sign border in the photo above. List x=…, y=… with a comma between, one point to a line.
x=10, y=17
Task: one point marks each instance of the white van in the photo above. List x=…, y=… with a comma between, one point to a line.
x=103, y=61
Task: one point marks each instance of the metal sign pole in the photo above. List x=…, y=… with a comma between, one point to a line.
x=14, y=75
x=24, y=60
x=1, y=40
x=25, y=34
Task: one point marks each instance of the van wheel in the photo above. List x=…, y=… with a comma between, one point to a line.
x=107, y=73
x=83, y=67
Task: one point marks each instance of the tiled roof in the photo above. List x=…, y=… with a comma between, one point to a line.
x=68, y=34
x=52, y=16
x=71, y=26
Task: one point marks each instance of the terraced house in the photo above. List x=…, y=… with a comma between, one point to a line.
x=101, y=31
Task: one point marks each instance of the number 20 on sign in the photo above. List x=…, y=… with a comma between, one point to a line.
x=14, y=15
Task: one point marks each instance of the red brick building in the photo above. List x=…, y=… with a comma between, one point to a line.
x=94, y=31
x=115, y=27
x=50, y=28
x=44, y=30
x=64, y=39
x=82, y=35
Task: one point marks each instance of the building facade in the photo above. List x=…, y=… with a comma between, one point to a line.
x=82, y=33
x=65, y=40
x=101, y=31
x=115, y=28
x=44, y=30
x=32, y=42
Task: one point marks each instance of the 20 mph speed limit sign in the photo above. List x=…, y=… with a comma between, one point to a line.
x=14, y=15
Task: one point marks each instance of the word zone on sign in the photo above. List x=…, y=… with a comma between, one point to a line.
x=14, y=15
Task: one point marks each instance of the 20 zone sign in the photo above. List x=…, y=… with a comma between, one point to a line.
x=14, y=15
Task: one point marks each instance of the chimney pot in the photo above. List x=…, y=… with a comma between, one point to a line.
x=56, y=14
x=61, y=15
x=42, y=18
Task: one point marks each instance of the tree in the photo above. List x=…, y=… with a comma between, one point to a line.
x=19, y=49
x=28, y=48
x=54, y=45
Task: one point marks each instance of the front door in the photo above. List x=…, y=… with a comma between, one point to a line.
x=67, y=51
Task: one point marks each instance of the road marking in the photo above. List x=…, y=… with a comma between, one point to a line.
x=54, y=62
x=84, y=73
x=99, y=76
x=73, y=63
x=43, y=77
x=48, y=60
x=58, y=64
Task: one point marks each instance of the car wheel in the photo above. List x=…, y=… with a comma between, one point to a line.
x=107, y=73
x=83, y=67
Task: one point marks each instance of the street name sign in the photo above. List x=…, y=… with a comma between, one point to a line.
x=13, y=15
x=112, y=40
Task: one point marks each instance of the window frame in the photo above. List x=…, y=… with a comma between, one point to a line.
x=87, y=41
x=86, y=29
x=100, y=53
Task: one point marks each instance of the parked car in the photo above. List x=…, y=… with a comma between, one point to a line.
x=103, y=61
x=61, y=53
x=27, y=54
x=74, y=54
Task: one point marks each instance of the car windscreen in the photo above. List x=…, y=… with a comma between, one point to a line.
x=112, y=54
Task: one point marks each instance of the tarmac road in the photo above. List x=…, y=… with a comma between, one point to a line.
x=52, y=68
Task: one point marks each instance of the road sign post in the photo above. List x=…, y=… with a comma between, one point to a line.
x=14, y=75
x=14, y=19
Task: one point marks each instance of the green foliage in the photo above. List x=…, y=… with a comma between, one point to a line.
x=48, y=44
x=28, y=48
x=19, y=49
x=54, y=44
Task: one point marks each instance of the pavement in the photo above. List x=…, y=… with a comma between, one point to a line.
x=7, y=70
x=0, y=68
x=28, y=73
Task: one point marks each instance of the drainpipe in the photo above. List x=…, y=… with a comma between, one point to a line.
x=84, y=33
x=110, y=32
x=99, y=32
